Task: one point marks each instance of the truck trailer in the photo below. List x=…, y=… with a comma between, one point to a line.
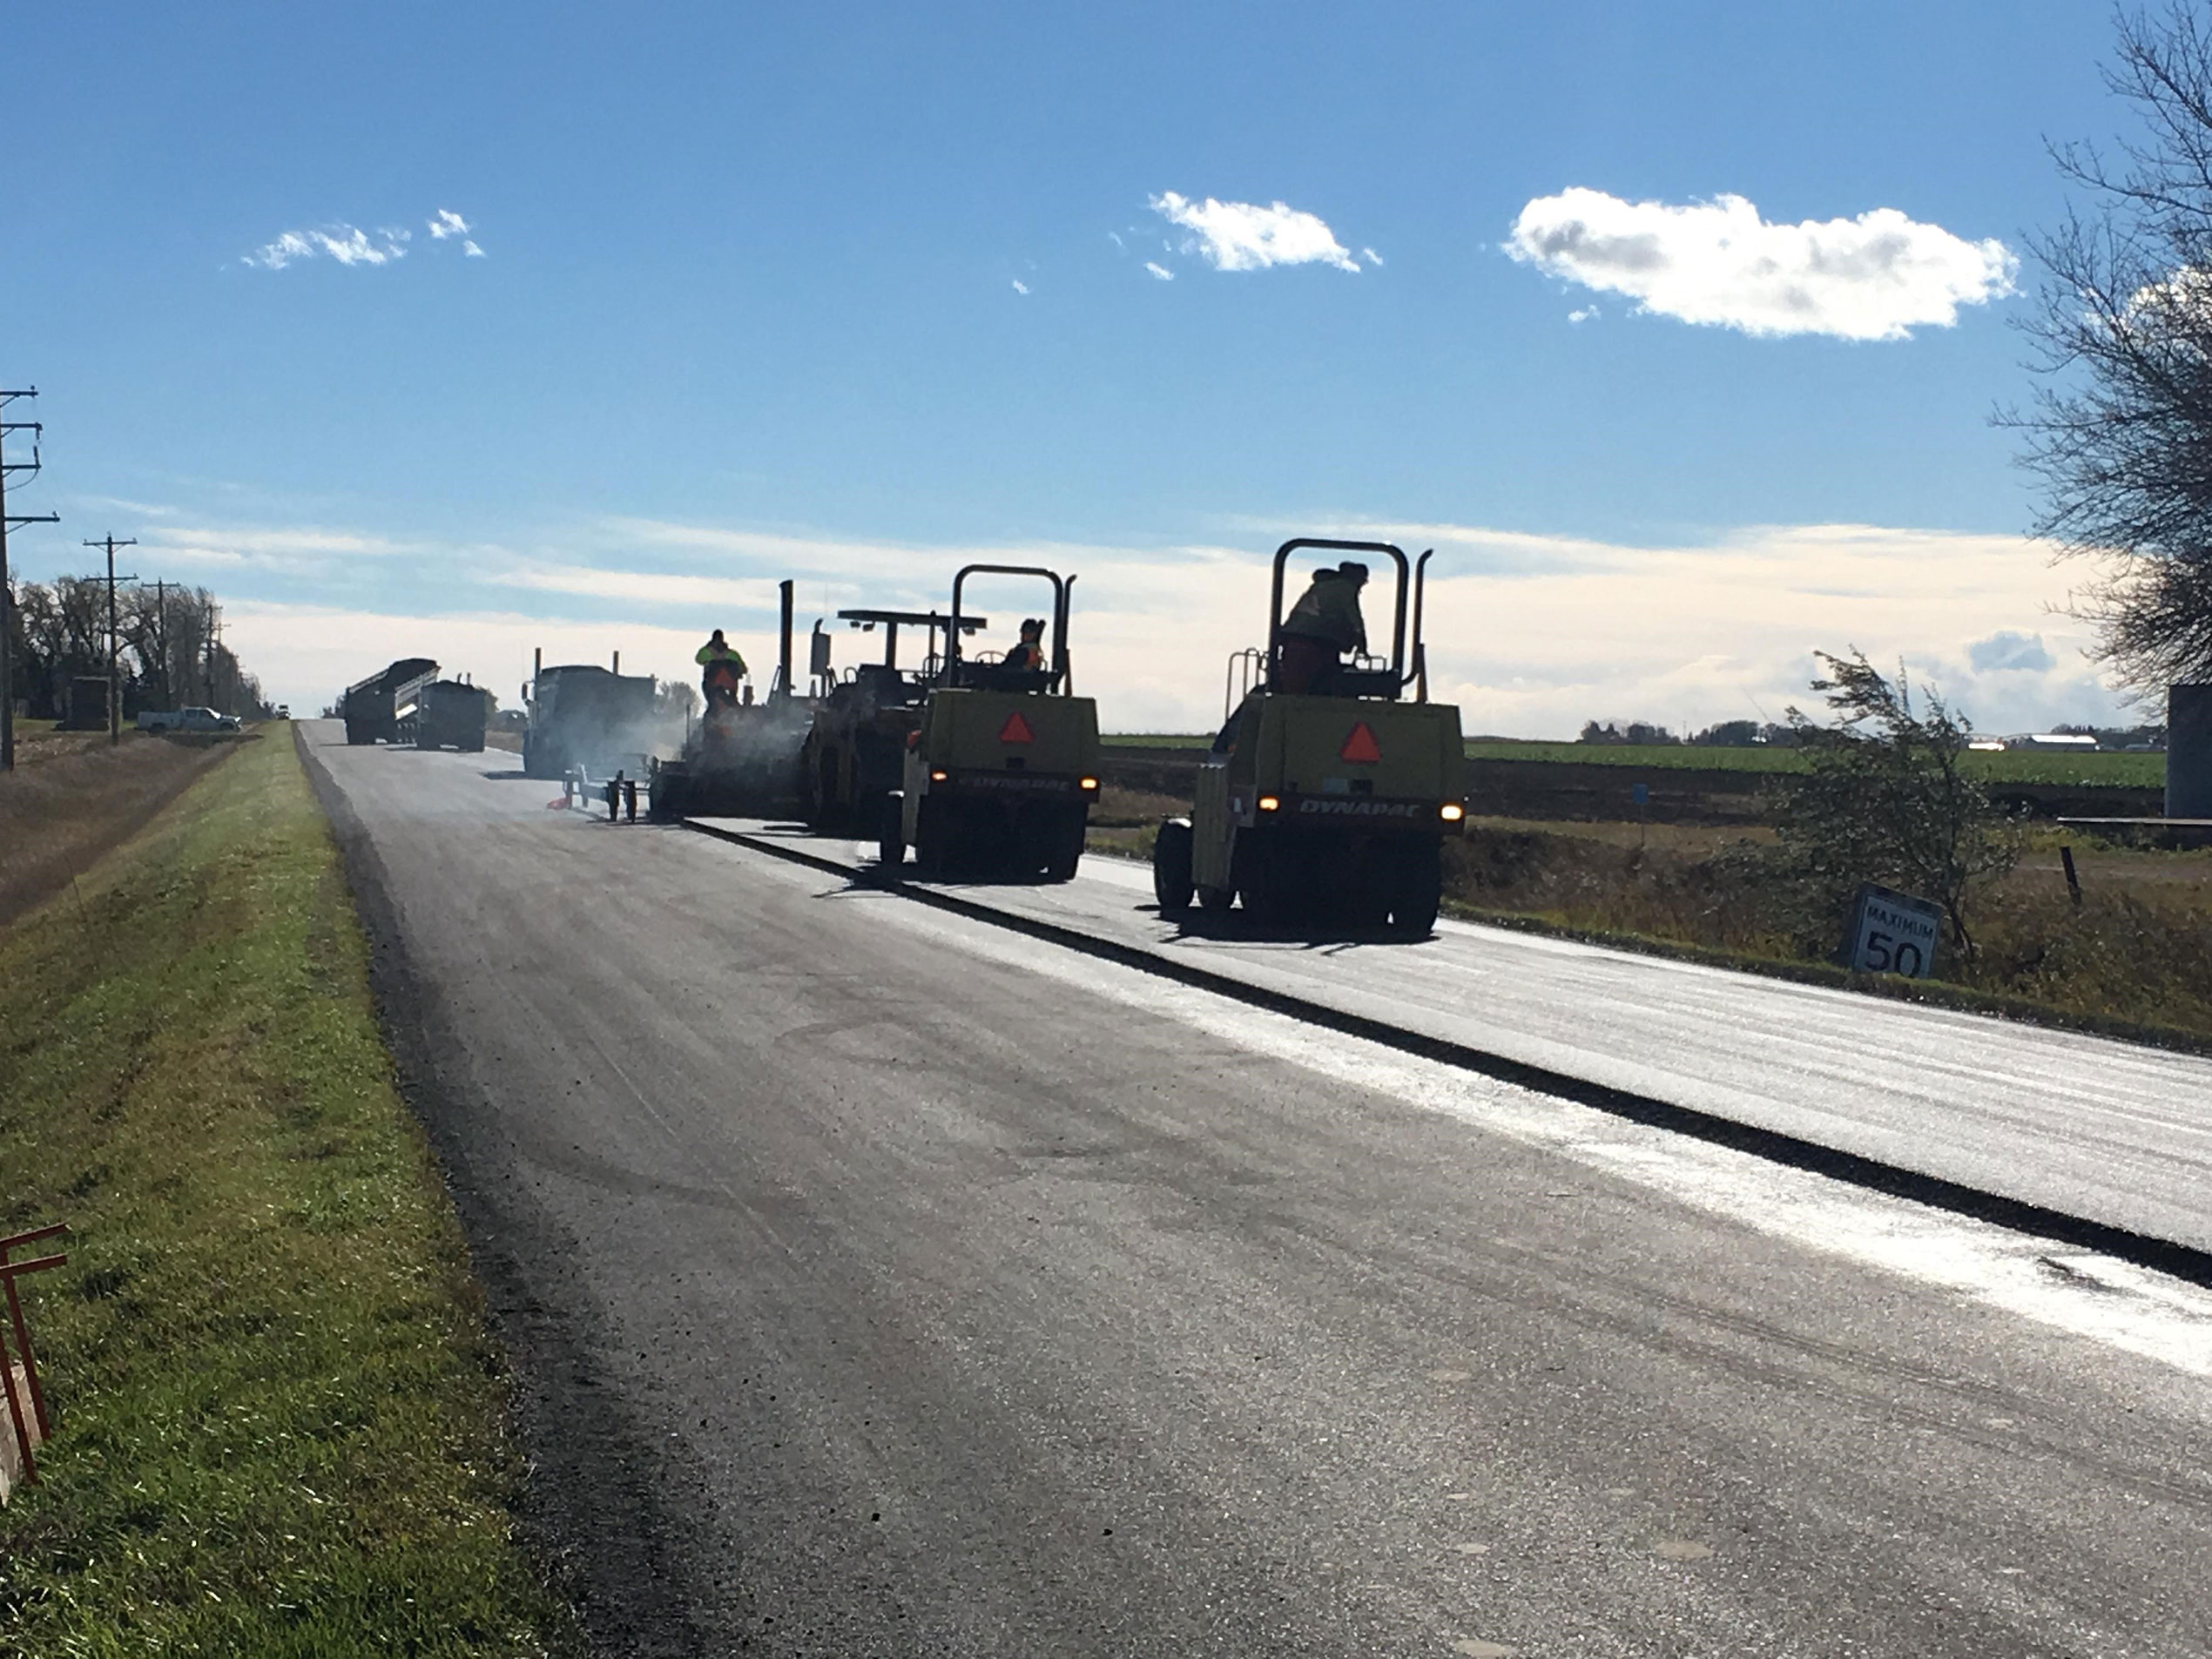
x=451, y=714
x=371, y=707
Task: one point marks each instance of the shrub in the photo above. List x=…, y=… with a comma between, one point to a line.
x=1885, y=797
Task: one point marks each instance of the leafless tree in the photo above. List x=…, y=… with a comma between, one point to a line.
x=2120, y=431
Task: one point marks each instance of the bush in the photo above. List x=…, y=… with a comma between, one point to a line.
x=1885, y=797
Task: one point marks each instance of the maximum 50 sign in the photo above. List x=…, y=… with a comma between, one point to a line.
x=1894, y=933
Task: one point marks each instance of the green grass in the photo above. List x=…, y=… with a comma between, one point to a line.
x=281, y=1424
x=2010, y=765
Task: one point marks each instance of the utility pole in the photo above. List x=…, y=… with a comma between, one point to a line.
x=161, y=640
x=114, y=687
x=7, y=599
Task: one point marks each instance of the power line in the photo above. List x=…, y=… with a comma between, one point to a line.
x=7, y=604
x=114, y=688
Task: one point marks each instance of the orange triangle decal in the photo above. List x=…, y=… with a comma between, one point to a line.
x=1360, y=747
x=1016, y=729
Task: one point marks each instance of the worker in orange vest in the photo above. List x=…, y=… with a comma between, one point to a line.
x=723, y=669
x=1030, y=653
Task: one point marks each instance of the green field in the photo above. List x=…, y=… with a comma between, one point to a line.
x=279, y=1418
x=2011, y=765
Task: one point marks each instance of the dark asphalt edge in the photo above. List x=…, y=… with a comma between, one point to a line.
x=2015, y=1215
x=587, y=1464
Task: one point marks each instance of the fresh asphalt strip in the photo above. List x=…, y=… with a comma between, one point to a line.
x=2182, y=1261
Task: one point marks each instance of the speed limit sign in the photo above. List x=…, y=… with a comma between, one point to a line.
x=1892, y=933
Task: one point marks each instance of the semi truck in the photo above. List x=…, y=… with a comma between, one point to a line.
x=583, y=715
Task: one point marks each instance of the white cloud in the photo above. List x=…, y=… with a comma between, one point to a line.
x=1875, y=277
x=348, y=244
x=1020, y=286
x=1371, y=257
x=1531, y=635
x=639, y=587
x=2008, y=650
x=1159, y=271
x=1587, y=313
x=1242, y=236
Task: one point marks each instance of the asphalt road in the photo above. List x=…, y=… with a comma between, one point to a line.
x=881, y=1282
x=2109, y=1131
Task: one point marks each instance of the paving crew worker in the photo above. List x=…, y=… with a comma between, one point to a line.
x=1029, y=654
x=723, y=669
x=1323, y=626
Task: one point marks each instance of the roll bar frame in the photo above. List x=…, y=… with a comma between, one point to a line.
x=1062, y=586
x=1412, y=583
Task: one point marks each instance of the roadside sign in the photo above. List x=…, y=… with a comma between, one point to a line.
x=1892, y=933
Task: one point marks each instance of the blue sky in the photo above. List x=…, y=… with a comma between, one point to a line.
x=746, y=307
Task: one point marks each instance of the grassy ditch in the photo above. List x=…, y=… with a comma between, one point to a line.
x=2134, y=955
x=72, y=796
x=280, y=1419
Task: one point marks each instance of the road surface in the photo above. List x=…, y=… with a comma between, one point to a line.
x=882, y=1282
x=2113, y=1132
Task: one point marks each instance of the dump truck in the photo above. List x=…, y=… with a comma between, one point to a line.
x=1327, y=808
x=371, y=707
x=740, y=758
x=855, y=746
x=584, y=716
x=998, y=778
x=450, y=714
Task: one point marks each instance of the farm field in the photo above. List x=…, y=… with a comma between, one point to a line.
x=2012, y=765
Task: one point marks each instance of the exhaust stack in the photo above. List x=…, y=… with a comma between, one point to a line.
x=782, y=687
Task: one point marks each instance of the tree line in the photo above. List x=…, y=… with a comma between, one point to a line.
x=169, y=652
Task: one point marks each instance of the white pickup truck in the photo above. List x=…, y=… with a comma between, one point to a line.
x=186, y=720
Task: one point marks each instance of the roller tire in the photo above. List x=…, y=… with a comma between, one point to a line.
x=891, y=841
x=1419, y=894
x=1171, y=883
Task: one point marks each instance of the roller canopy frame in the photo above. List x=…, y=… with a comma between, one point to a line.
x=1062, y=589
x=1411, y=583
